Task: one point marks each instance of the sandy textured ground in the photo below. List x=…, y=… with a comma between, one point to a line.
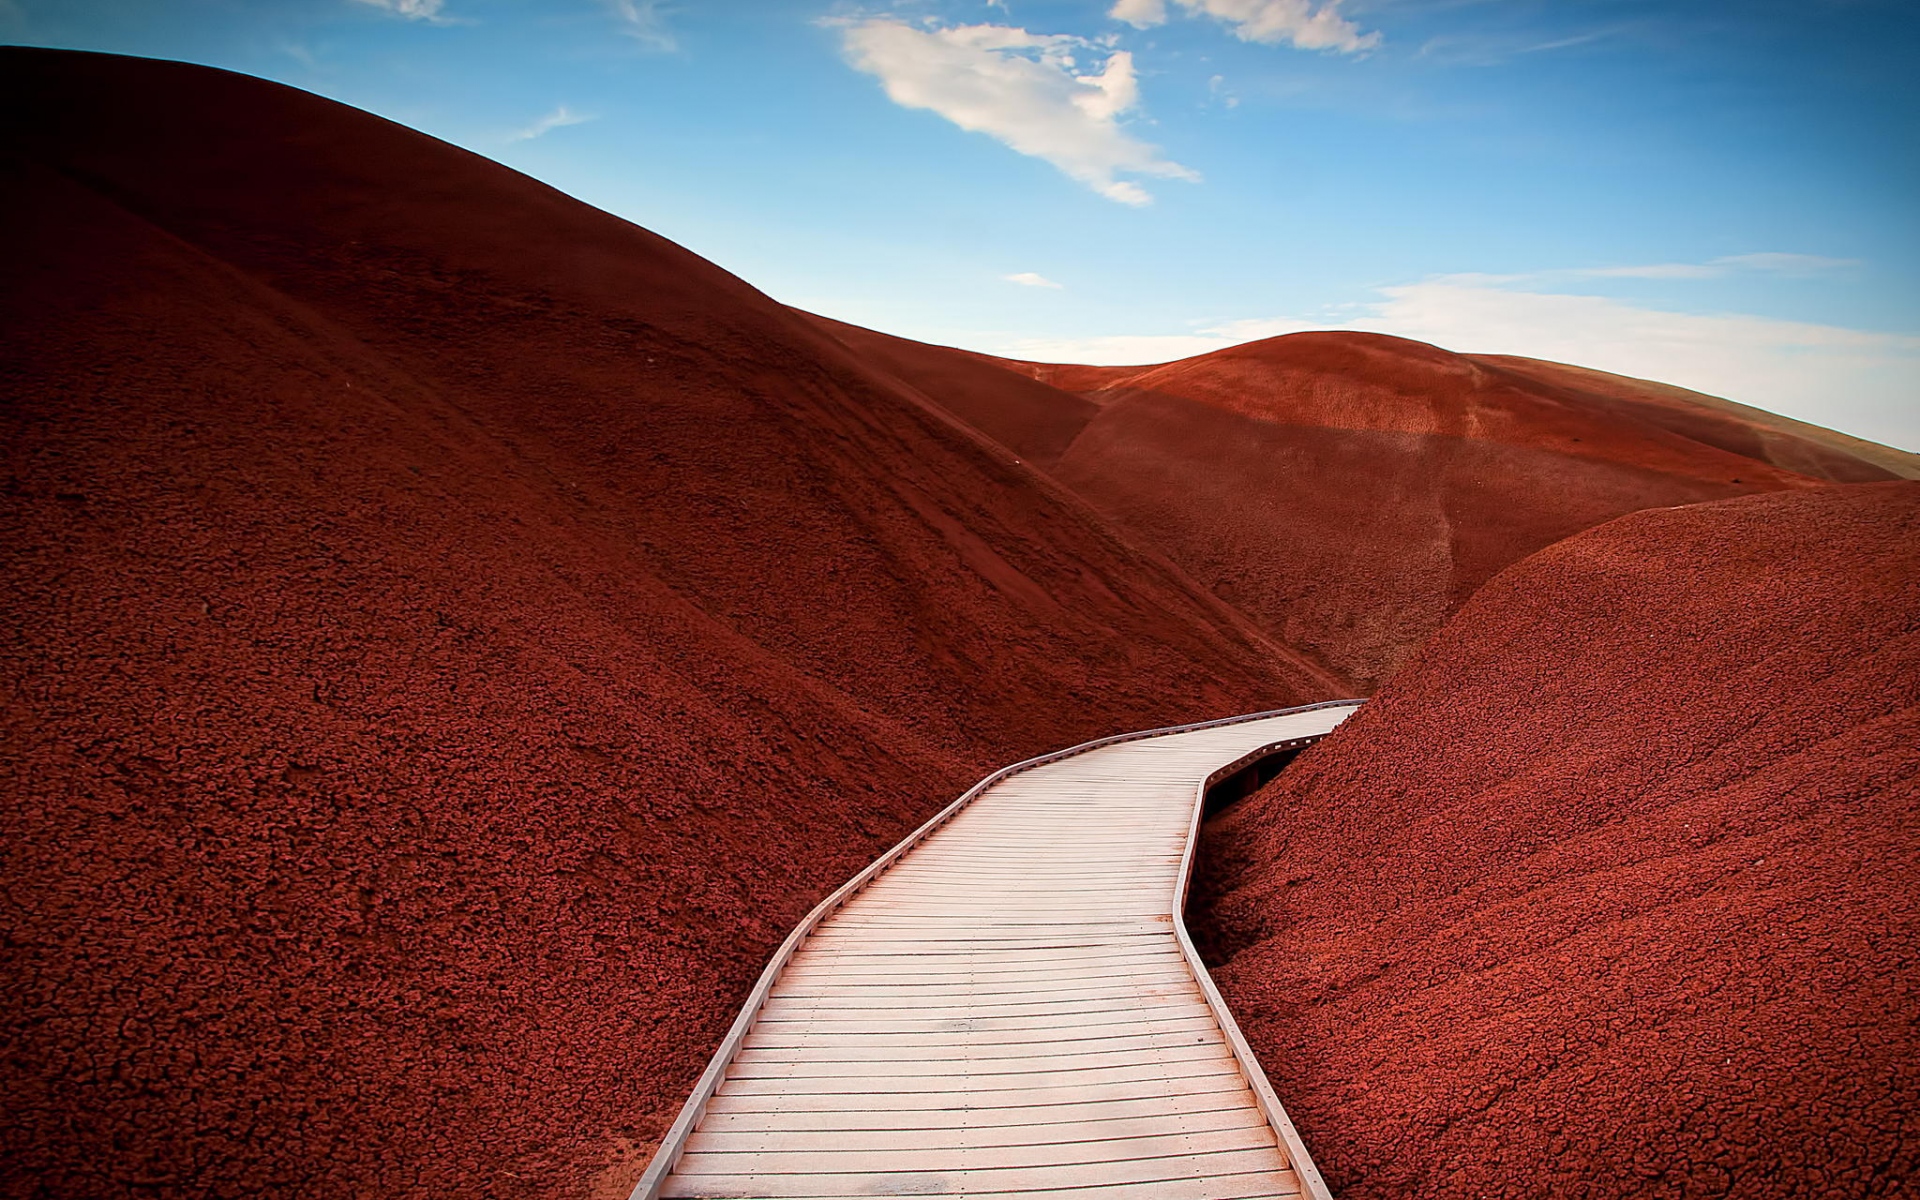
x=450, y=636
x=1611, y=894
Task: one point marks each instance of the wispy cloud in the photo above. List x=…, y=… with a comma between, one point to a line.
x=1029, y=90
x=645, y=22
x=413, y=10
x=1031, y=279
x=1296, y=22
x=1492, y=49
x=1862, y=382
x=1770, y=262
x=1653, y=271
x=1787, y=264
x=557, y=119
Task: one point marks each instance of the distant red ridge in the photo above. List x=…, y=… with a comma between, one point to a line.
x=1350, y=490
x=1611, y=892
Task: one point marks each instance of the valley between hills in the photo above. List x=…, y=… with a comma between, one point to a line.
x=454, y=634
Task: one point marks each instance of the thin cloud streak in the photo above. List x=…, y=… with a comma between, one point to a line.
x=1800, y=265
x=412, y=10
x=559, y=118
x=1492, y=50
x=1032, y=279
x=1788, y=264
x=1653, y=271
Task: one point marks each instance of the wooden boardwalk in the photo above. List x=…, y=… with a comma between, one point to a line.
x=1007, y=1004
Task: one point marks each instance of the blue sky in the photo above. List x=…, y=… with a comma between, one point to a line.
x=1720, y=195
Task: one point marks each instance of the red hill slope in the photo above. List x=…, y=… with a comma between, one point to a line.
x=451, y=635
x=1753, y=432
x=1350, y=490
x=1612, y=892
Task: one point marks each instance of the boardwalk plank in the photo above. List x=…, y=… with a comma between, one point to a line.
x=885, y=1182
x=1006, y=1010
x=1080, y=1128
x=993, y=1155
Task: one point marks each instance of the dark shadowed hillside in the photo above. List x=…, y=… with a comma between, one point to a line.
x=1611, y=892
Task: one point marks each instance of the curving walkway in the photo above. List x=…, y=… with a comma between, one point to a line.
x=1007, y=1004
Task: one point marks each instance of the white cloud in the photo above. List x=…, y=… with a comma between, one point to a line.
x=1141, y=14
x=1269, y=21
x=557, y=119
x=1028, y=90
x=641, y=20
x=1031, y=279
x=415, y=10
x=1295, y=21
x=1861, y=382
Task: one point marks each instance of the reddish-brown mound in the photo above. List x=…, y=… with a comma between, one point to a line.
x=1753, y=432
x=451, y=635
x=1031, y=418
x=1348, y=490
x=1611, y=893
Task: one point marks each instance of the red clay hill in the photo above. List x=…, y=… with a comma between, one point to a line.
x=1612, y=892
x=1349, y=491
x=453, y=633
